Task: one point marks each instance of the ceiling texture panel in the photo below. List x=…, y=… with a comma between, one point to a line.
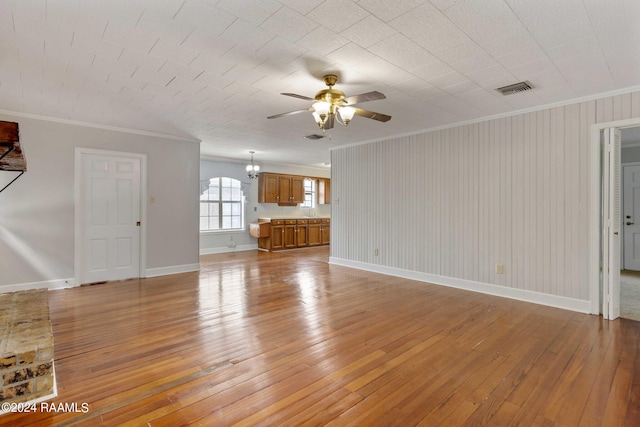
x=214, y=70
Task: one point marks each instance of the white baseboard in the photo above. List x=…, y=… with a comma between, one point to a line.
x=48, y=284
x=581, y=306
x=70, y=283
x=225, y=249
x=174, y=269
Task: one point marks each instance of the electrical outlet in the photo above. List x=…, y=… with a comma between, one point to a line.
x=375, y=252
x=499, y=268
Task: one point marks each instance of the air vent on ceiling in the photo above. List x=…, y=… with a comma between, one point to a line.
x=314, y=136
x=515, y=88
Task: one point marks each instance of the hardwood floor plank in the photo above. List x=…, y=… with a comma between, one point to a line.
x=288, y=339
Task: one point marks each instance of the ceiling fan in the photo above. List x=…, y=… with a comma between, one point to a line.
x=330, y=105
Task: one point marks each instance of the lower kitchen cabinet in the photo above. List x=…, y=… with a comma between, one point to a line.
x=325, y=231
x=292, y=233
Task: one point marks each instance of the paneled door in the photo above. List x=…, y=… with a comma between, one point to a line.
x=110, y=194
x=631, y=216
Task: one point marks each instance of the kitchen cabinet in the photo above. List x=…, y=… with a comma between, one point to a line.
x=291, y=189
x=302, y=230
x=285, y=190
x=277, y=235
x=314, y=232
x=291, y=233
x=268, y=188
x=324, y=191
x=325, y=231
x=290, y=230
x=295, y=233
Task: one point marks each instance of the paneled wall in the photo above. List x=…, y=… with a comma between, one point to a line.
x=453, y=203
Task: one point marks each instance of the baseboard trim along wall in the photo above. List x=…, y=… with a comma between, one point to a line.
x=469, y=285
x=47, y=284
x=175, y=269
x=225, y=249
x=71, y=283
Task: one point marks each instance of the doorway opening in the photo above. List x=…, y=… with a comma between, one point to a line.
x=608, y=217
x=630, y=248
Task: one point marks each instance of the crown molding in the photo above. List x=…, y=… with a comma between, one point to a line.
x=497, y=116
x=99, y=126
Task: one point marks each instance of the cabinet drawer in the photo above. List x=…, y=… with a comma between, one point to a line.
x=302, y=221
x=277, y=221
x=315, y=221
x=326, y=220
x=290, y=221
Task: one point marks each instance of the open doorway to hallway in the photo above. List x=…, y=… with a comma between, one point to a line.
x=630, y=274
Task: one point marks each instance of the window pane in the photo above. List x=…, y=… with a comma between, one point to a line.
x=214, y=189
x=226, y=209
x=204, y=209
x=214, y=209
x=226, y=193
x=236, y=209
x=204, y=223
x=226, y=222
x=236, y=194
x=235, y=222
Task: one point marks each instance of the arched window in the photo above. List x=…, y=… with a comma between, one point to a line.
x=221, y=204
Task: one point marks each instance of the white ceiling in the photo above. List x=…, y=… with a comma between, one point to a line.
x=214, y=70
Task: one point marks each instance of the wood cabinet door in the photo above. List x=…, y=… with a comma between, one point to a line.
x=277, y=237
x=326, y=234
x=284, y=189
x=297, y=189
x=314, y=236
x=302, y=235
x=268, y=188
x=324, y=191
x=289, y=236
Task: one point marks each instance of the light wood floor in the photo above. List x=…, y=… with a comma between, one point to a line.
x=286, y=339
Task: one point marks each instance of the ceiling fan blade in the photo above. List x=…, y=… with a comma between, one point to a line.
x=290, y=113
x=295, y=95
x=364, y=97
x=372, y=115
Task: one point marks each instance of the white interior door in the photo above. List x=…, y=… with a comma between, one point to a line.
x=631, y=212
x=111, y=200
x=611, y=204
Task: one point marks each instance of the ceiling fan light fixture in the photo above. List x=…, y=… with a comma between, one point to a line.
x=346, y=114
x=331, y=105
x=322, y=108
x=317, y=118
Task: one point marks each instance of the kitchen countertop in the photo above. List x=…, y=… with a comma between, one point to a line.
x=292, y=217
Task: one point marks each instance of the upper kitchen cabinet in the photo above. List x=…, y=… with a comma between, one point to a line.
x=324, y=191
x=291, y=190
x=285, y=190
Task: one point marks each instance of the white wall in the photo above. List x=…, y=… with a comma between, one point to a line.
x=447, y=206
x=229, y=241
x=37, y=210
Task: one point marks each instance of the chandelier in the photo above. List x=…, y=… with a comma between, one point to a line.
x=252, y=170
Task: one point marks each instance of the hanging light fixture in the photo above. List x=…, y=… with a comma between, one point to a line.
x=331, y=105
x=252, y=170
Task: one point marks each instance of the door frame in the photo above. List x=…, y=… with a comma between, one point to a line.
x=623, y=239
x=79, y=208
x=595, y=208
